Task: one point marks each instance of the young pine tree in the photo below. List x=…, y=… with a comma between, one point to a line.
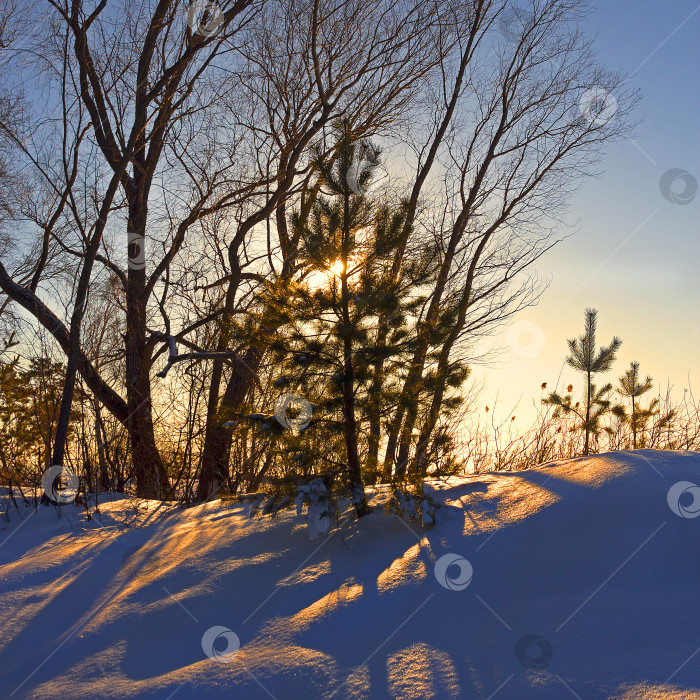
x=325, y=347
x=632, y=388
x=584, y=357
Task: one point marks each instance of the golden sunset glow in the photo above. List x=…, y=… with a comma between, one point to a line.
x=349, y=350
x=322, y=278
x=337, y=268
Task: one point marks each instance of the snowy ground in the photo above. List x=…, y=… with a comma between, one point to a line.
x=586, y=579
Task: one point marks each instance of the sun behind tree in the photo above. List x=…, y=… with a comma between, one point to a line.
x=326, y=346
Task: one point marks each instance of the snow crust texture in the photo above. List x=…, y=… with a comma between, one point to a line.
x=579, y=579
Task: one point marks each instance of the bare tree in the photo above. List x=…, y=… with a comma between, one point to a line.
x=134, y=102
x=357, y=59
x=185, y=140
x=539, y=111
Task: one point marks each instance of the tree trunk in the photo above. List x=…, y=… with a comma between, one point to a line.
x=149, y=471
x=411, y=209
x=214, y=471
x=104, y=481
x=411, y=388
x=419, y=464
x=255, y=482
x=73, y=351
x=210, y=468
x=391, y=442
x=357, y=488
x=63, y=422
x=588, y=412
x=444, y=359
x=412, y=384
x=375, y=425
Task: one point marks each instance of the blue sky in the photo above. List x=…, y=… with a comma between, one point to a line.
x=635, y=256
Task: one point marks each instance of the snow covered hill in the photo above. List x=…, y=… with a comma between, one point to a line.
x=579, y=579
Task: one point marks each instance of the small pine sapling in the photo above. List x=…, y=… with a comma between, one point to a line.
x=631, y=387
x=584, y=357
